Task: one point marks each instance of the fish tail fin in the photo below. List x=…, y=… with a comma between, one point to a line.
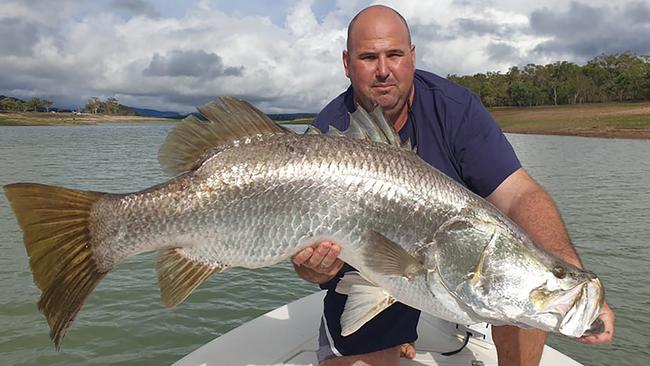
x=55, y=224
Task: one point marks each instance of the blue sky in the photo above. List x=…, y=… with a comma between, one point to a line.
x=283, y=56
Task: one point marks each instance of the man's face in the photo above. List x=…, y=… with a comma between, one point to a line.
x=380, y=64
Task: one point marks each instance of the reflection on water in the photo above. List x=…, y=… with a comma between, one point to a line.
x=601, y=186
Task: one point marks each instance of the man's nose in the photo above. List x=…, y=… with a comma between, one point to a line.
x=382, y=68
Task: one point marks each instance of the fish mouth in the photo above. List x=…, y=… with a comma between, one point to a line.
x=585, y=310
x=576, y=309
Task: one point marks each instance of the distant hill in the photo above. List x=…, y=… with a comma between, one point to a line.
x=290, y=116
x=145, y=112
x=169, y=114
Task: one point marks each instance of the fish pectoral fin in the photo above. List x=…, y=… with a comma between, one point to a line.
x=389, y=258
x=179, y=275
x=228, y=120
x=364, y=302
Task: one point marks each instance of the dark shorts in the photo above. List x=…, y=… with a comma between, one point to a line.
x=392, y=327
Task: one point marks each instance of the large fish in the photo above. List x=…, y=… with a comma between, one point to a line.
x=248, y=193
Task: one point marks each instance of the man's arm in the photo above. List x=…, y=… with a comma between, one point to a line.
x=527, y=204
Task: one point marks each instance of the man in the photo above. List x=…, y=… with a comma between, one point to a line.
x=454, y=133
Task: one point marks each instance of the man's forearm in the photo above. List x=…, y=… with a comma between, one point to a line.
x=536, y=213
x=528, y=205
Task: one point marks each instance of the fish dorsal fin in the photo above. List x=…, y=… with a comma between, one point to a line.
x=408, y=146
x=372, y=126
x=228, y=120
x=364, y=301
x=179, y=275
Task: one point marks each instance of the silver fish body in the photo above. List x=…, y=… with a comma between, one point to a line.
x=414, y=235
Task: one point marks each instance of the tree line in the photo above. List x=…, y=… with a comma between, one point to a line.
x=93, y=105
x=621, y=77
x=109, y=106
x=31, y=105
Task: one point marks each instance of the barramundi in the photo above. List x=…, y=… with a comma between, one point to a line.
x=246, y=192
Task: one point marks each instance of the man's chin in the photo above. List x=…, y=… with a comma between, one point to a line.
x=387, y=103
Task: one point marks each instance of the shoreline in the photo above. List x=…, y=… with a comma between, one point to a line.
x=610, y=133
x=71, y=119
x=606, y=120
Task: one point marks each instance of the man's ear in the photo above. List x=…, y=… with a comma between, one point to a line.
x=346, y=62
x=413, y=54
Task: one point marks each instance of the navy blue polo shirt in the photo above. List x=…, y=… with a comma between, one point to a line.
x=453, y=132
x=451, y=129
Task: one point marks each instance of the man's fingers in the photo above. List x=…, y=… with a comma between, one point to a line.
x=302, y=256
x=318, y=263
x=321, y=258
x=330, y=257
x=320, y=252
x=336, y=267
x=606, y=337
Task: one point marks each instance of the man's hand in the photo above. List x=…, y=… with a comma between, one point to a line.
x=607, y=316
x=319, y=263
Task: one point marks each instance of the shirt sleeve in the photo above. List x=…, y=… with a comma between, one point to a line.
x=483, y=153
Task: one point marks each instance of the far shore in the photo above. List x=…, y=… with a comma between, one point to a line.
x=67, y=118
x=606, y=120
x=608, y=133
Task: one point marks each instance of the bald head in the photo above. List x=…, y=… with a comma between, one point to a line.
x=376, y=14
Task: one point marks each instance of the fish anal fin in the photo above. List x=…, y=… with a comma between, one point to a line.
x=364, y=302
x=228, y=120
x=389, y=258
x=179, y=275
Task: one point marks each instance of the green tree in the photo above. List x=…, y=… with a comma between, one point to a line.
x=93, y=105
x=520, y=93
x=32, y=104
x=12, y=104
x=46, y=105
x=111, y=106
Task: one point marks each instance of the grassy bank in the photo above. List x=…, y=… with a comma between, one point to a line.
x=616, y=120
x=52, y=119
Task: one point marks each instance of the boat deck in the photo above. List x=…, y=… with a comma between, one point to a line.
x=288, y=336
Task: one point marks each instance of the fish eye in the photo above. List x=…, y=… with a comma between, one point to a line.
x=559, y=272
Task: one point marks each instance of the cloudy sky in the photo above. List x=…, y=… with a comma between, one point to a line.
x=283, y=56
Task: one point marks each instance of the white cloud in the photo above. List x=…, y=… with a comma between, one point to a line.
x=80, y=50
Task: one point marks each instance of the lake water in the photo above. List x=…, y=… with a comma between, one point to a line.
x=601, y=186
